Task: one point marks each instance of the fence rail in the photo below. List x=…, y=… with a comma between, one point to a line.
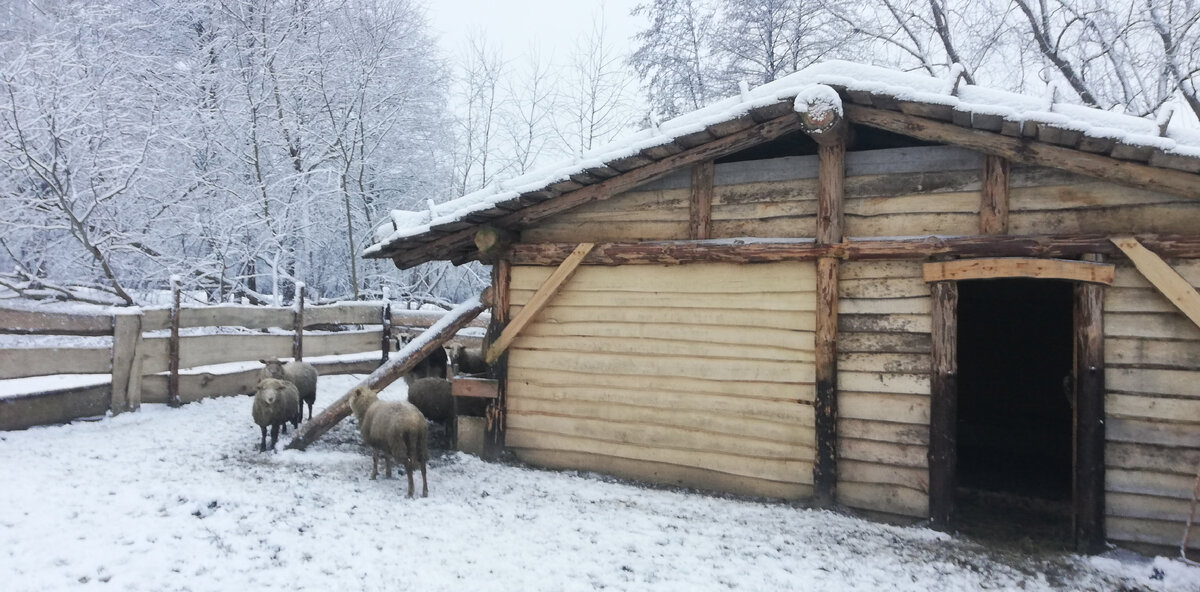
x=147, y=366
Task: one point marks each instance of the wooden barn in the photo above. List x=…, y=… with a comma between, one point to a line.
x=858, y=287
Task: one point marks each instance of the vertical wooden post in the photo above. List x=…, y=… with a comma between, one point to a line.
x=825, y=402
x=493, y=441
x=993, y=205
x=126, y=363
x=830, y=182
x=701, y=204
x=298, y=323
x=173, y=398
x=943, y=405
x=386, y=321
x=1089, y=416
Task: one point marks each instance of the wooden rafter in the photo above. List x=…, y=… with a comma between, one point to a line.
x=539, y=300
x=993, y=205
x=1027, y=151
x=1160, y=275
x=1013, y=267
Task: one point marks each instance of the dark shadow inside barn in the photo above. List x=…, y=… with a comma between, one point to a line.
x=1015, y=358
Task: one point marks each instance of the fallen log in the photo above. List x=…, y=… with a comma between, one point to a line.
x=401, y=363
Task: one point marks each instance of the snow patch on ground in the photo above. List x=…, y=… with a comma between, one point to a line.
x=179, y=499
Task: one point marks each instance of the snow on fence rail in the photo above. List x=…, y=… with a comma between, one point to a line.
x=58, y=383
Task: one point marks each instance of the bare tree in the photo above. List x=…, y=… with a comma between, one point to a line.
x=596, y=103
x=674, y=57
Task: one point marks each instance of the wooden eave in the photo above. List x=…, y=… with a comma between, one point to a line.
x=1028, y=142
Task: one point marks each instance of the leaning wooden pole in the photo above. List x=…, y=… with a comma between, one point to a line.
x=398, y=366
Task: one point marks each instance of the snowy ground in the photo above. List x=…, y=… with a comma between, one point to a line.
x=178, y=499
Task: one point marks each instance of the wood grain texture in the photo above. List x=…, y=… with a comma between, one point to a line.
x=1029, y=152
x=700, y=219
x=1089, y=416
x=1175, y=287
x=541, y=297
x=1012, y=267
x=42, y=361
x=682, y=368
x=993, y=206
x=943, y=447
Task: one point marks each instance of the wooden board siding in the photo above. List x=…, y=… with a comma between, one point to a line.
x=1152, y=361
x=698, y=375
x=883, y=387
x=1051, y=201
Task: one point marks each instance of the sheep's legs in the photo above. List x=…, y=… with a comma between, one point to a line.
x=408, y=468
x=274, y=435
x=387, y=463
x=262, y=444
x=424, y=481
x=374, y=465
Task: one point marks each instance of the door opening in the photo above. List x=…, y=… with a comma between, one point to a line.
x=1015, y=418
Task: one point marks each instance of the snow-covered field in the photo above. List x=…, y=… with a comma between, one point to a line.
x=179, y=499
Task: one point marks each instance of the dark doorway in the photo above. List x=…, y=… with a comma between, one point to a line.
x=1014, y=426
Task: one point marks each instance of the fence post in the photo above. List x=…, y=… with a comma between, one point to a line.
x=298, y=338
x=126, y=362
x=386, y=344
x=173, y=347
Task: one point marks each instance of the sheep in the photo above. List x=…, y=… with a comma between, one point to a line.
x=469, y=361
x=276, y=402
x=431, y=366
x=301, y=374
x=432, y=397
x=395, y=430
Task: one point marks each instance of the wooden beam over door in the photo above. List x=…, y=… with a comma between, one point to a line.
x=1016, y=267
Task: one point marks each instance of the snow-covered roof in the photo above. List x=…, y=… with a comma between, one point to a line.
x=1174, y=143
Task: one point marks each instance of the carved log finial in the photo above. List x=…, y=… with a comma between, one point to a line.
x=492, y=242
x=820, y=109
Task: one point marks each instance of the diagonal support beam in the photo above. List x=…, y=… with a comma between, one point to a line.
x=540, y=298
x=1162, y=276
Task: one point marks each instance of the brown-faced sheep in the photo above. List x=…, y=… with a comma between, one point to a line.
x=276, y=402
x=395, y=429
x=301, y=374
x=432, y=397
x=468, y=361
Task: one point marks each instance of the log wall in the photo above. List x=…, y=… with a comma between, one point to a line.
x=933, y=190
x=1049, y=201
x=697, y=375
x=1152, y=361
x=883, y=363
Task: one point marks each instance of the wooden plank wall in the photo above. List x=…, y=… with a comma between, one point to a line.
x=1050, y=201
x=883, y=387
x=1152, y=361
x=902, y=191
x=698, y=375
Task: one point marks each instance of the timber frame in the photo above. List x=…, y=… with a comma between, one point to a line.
x=994, y=246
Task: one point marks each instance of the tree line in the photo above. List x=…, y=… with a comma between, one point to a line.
x=246, y=145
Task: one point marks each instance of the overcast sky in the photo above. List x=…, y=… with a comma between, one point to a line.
x=552, y=26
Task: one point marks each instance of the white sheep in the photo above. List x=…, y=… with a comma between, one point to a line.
x=395, y=429
x=276, y=402
x=301, y=374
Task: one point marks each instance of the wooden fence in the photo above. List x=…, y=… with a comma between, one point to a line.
x=174, y=354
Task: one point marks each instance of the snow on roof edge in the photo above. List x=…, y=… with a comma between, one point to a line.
x=904, y=86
